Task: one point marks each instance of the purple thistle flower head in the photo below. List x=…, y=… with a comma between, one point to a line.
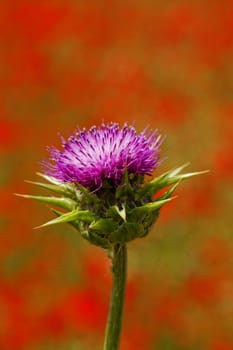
x=91, y=156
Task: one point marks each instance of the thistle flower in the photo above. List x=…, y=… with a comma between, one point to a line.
x=99, y=175
x=99, y=179
x=92, y=156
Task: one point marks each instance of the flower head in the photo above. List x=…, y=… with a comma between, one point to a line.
x=110, y=161
x=105, y=153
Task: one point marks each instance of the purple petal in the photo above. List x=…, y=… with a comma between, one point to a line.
x=90, y=156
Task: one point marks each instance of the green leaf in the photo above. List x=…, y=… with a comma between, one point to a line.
x=188, y=175
x=65, y=203
x=169, y=178
x=172, y=180
x=124, y=190
x=98, y=240
x=177, y=170
x=103, y=226
x=50, y=179
x=59, y=189
x=90, y=197
x=149, y=207
x=57, y=212
x=90, y=236
x=127, y=232
x=83, y=215
x=168, y=193
x=75, y=224
x=120, y=212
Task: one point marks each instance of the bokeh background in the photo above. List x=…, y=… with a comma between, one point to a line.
x=168, y=64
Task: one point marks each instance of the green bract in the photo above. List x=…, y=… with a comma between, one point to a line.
x=112, y=214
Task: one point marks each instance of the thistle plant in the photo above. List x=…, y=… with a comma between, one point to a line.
x=97, y=182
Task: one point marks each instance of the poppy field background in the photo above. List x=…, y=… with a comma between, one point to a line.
x=167, y=64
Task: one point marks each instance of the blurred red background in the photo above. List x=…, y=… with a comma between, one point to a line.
x=65, y=63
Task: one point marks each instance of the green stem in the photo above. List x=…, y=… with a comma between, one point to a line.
x=113, y=328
